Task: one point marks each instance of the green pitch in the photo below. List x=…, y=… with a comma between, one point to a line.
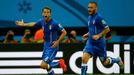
x=69, y=74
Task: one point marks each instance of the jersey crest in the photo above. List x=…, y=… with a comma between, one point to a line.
x=50, y=27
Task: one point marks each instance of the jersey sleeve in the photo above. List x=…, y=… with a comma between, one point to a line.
x=103, y=23
x=59, y=27
x=38, y=23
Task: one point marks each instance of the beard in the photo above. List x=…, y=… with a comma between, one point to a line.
x=92, y=12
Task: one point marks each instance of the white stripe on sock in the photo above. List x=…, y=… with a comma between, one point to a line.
x=83, y=64
x=110, y=60
x=48, y=66
x=50, y=71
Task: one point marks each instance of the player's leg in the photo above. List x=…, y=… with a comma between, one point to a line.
x=118, y=60
x=60, y=63
x=101, y=49
x=85, y=59
x=49, y=67
x=47, y=57
x=46, y=66
x=87, y=53
x=108, y=60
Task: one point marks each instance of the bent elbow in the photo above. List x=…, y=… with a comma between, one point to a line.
x=107, y=30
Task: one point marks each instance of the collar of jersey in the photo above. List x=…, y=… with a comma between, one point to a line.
x=48, y=22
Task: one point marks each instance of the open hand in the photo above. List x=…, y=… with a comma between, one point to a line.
x=19, y=23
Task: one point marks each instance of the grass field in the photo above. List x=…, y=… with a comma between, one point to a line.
x=69, y=74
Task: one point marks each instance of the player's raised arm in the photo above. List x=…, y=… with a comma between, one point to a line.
x=22, y=23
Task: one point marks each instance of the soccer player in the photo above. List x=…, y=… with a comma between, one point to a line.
x=96, y=44
x=52, y=30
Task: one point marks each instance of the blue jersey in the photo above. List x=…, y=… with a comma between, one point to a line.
x=96, y=24
x=52, y=30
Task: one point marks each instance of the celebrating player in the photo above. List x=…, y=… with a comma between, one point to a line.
x=96, y=44
x=51, y=45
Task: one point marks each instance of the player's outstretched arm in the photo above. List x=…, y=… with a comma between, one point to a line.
x=22, y=23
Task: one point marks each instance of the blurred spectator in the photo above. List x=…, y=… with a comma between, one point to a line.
x=73, y=32
x=27, y=37
x=71, y=38
x=113, y=33
x=9, y=38
x=39, y=36
x=1, y=38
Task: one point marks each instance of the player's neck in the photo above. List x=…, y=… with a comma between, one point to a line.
x=94, y=14
x=48, y=20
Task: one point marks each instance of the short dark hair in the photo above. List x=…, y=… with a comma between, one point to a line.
x=46, y=7
x=93, y=2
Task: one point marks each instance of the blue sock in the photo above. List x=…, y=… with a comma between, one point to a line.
x=54, y=64
x=83, y=69
x=114, y=60
x=50, y=71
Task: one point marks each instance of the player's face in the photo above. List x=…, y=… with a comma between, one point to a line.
x=92, y=8
x=46, y=13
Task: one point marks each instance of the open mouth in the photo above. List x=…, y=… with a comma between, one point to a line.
x=89, y=11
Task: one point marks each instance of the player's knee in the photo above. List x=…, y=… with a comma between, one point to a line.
x=84, y=59
x=43, y=65
x=106, y=62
